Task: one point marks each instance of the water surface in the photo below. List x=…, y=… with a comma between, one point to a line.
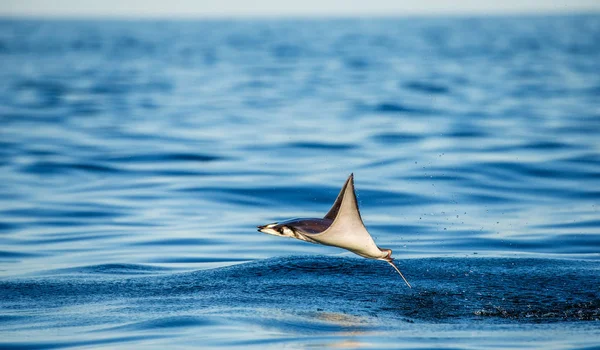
x=137, y=158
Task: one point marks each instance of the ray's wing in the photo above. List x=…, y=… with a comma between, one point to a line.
x=347, y=230
x=332, y=213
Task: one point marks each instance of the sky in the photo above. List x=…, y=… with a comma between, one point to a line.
x=275, y=8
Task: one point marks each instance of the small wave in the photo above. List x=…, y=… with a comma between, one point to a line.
x=162, y=323
x=13, y=255
x=321, y=146
x=587, y=159
x=122, y=87
x=313, y=265
x=77, y=343
x=110, y=269
x=49, y=213
x=546, y=145
x=389, y=107
x=196, y=259
x=8, y=227
x=396, y=137
x=166, y=157
x=427, y=87
x=13, y=318
x=573, y=224
x=179, y=242
x=315, y=323
x=269, y=195
x=50, y=168
x=467, y=134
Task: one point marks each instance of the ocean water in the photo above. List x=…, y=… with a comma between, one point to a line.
x=138, y=157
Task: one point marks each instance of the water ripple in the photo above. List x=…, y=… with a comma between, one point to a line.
x=136, y=162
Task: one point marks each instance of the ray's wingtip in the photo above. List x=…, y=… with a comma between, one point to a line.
x=350, y=179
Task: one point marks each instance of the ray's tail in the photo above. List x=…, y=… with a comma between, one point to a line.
x=401, y=275
x=388, y=258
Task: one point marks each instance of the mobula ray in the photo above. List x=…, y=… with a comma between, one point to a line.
x=342, y=227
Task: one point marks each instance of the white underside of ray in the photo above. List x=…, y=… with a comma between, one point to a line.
x=347, y=230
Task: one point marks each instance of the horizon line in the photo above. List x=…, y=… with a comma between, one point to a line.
x=306, y=15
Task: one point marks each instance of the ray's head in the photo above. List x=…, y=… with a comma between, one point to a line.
x=276, y=229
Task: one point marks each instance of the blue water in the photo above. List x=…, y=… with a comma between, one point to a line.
x=138, y=157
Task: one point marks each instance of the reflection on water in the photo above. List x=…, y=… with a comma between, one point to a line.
x=350, y=322
x=137, y=158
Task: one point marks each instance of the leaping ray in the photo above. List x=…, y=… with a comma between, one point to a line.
x=341, y=227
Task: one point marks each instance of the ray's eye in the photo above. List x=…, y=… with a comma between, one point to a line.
x=281, y=230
